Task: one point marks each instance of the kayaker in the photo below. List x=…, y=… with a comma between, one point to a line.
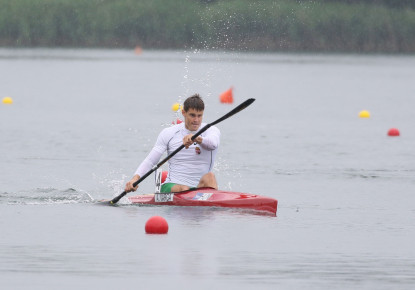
x=192, y=166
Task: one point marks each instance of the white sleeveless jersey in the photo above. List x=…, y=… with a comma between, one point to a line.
x=188, y=165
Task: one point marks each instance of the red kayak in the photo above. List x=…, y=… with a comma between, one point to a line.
x=210, y=197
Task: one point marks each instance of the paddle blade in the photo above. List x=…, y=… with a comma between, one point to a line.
x=105, y=202
x=116, y=199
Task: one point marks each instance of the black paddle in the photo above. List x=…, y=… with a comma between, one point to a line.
x=231, y=113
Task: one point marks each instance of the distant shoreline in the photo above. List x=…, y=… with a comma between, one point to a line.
x=238, y=25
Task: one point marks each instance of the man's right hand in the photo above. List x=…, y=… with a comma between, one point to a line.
x=129, y=186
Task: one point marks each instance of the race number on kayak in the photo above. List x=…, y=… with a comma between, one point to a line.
x=163, y=197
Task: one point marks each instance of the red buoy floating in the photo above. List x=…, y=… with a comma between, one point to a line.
x=178, y=121
x=156, y=225
x=226, y=97
x=393, y=132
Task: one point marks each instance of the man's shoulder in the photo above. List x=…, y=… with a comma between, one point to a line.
x=212, y=128
x=172, y=129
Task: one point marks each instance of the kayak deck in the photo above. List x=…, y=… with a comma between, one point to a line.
x=207, y=196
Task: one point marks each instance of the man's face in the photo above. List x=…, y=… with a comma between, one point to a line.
x=192, y=119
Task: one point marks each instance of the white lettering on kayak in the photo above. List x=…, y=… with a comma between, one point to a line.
x=202, y=196
x=163, y=197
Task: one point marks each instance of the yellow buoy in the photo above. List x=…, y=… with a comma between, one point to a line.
x=176, y=107
x=364, y=114
x=7, y=100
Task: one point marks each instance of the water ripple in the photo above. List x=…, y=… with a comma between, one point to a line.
x=42, y=196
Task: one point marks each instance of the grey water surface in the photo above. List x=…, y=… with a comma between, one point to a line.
x=82, y=120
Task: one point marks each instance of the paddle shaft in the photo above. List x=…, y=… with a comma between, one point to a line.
x=231, y=113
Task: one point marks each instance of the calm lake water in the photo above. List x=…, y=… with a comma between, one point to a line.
x=82, y=120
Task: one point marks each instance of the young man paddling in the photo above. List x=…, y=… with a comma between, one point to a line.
x=192, y=166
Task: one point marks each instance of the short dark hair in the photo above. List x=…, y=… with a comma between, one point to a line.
x=194, y=102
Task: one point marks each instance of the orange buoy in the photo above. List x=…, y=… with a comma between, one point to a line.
x=138, y=50
x=226, y=97
x=393, y=132
x=156, y=225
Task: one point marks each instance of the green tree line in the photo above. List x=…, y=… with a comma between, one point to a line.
x=389, y=3
x=261, y=25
